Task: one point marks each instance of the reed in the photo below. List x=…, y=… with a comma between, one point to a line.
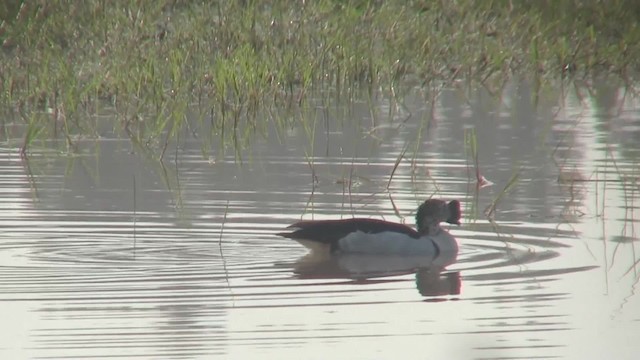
x=490, y=210
x=235, y=61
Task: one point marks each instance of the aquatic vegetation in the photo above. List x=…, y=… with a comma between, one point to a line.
x=214, y=69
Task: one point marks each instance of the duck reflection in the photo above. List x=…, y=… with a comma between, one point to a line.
x=432, y=278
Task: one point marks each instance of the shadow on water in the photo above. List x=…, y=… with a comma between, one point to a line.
x=107, y=254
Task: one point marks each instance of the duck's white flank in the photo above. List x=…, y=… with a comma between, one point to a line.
x=315, y=247
x=387, y=242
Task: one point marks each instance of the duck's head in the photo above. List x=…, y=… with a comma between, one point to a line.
x=434, y=211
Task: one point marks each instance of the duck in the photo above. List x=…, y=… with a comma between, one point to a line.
x=379, y=237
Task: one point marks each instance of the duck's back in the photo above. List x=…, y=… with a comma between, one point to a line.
x=331, y=231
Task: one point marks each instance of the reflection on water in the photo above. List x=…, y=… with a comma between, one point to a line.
x=430, y=275
x=367, y=266
x=107, y=255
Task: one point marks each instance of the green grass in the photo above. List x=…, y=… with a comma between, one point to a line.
x=217, y=68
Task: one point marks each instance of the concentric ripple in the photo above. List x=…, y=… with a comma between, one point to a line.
x=213, y=279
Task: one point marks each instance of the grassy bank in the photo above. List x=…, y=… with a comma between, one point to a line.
x=157, y=67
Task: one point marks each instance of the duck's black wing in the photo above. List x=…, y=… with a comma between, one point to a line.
x=331, y=231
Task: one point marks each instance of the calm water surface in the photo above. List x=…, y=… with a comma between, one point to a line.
x=108, y=255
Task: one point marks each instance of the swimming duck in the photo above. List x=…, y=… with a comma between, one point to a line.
x=379, y=237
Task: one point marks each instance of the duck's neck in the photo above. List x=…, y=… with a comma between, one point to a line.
x=429, y=229
x=443, y=240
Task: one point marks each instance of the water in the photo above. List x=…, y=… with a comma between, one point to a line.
x=108, y=255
